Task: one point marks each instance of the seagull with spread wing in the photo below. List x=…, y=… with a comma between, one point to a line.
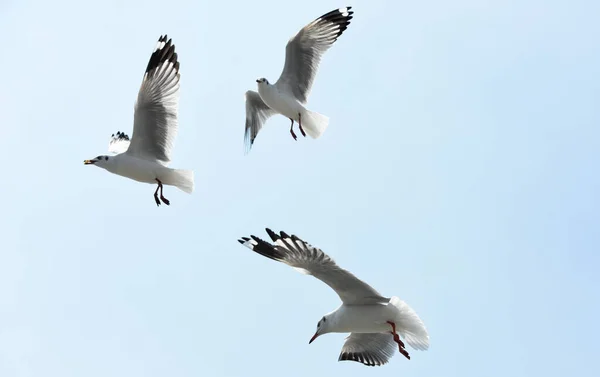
x=375, y=322
x=289, y=95
x=146, y=156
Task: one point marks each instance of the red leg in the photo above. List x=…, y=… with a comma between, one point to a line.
x=292, y=130
x=300, y=124
x=401, y=346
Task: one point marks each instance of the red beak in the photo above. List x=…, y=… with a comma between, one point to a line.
x=313, y=338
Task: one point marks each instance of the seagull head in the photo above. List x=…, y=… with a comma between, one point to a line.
x=322, y=328
x=100, y=161
x=262, y=81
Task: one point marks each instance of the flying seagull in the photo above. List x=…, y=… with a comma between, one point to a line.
x=375, y=323
x=146, y=156
x=288, y=96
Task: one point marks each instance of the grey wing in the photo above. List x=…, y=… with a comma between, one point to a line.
x=369, y=349
x=296, y=253
x=257, y=113
x=155, y=119
x=304, y=51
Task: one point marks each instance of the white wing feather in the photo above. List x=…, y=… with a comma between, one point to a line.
x=155, y=119
x=304, y=51
x=118, y=143
x=296, y=253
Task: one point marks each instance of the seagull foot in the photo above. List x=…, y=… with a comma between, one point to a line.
x=403, y=351
x=302, y=130
x=401, y=346
x=160, y=187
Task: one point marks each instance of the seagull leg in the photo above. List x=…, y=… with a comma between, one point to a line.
x=156, y=194
x=164, y=200
x=395, y=334
x=401, y=345
x=292, y=130
x=300, y=124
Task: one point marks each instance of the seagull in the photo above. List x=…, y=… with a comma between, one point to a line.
x=375, y=323
x=146, y=156
x=288, y=96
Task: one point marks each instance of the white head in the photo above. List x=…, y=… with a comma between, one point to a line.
x=323, y=327
x=101, y=161
x=262, y=81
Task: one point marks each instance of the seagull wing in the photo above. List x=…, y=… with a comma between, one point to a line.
x=155, y=119
x=304, y=51
x=118, y=143
x=370, y=349
x=257, y=113
x=296, y=253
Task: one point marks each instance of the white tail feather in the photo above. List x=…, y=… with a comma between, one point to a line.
x=410, y=326
x=314, y=123
x=182, y=179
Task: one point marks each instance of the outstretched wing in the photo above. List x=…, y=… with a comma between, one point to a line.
x=118, y=143
x=155, y=119
x=257, y=113
x=370, y=349
x=304, y=51
x=309, y=260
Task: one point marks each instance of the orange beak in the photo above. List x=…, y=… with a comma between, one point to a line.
x=313, y=338
x=88, y=162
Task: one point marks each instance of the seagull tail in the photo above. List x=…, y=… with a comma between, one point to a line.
x=314, y=123
x=182, y=179
x=410, y=326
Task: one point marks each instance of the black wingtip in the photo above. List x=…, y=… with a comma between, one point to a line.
x=273, y=235
x=120, y=136
x=340, y=17
x=244, y=240
x=162, y=53
x=360, y=358
x=261, y=247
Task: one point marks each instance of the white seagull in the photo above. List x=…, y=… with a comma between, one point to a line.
x=145, y=158
x=288, y=96
x=373, y=321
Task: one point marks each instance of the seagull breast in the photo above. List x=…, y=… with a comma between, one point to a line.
x=284, y=103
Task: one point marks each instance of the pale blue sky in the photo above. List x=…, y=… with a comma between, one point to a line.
x=459, y=172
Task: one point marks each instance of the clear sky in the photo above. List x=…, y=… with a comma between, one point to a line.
x=459, y=172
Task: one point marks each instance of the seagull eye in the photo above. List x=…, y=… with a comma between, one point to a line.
x=106, y=158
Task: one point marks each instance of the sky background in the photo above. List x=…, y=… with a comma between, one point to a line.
x=459, y=172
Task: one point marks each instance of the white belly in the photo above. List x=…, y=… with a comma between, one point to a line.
x=137, y=169
x=365, y=318
x=281, y=102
